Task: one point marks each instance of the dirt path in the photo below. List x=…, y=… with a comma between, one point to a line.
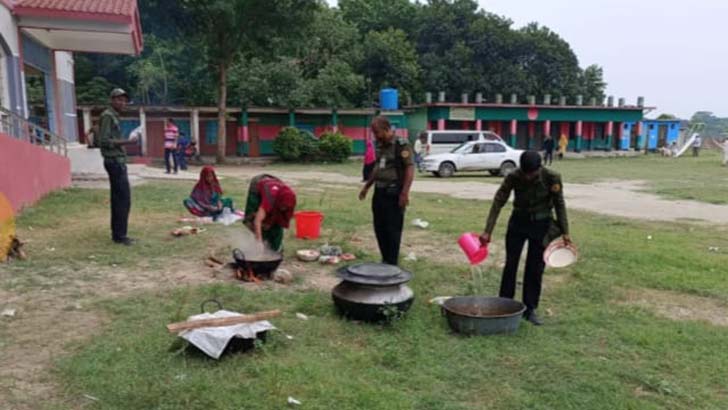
x=622, y=199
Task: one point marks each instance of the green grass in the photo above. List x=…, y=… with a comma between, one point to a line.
x=594, y=353
x=701, y=179
x=348, y=168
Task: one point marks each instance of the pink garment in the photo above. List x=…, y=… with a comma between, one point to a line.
x=171, y=132
x=369, y=155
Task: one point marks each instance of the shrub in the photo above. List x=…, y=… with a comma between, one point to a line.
x=309, y=148
x=289, y=144
x=335, y=147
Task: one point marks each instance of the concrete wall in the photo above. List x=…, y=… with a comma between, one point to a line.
x=29, y=172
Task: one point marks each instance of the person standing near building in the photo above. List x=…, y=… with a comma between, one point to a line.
x=182, y=144
x=369, y=157
x=392, y=178
x=548, y=150
x=538, y=192
x=420, y=149
x=110, y=140
x=171, y=134
x=563, y=144
x=697, y=144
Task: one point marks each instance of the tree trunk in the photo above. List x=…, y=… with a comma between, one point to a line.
x=221, y=111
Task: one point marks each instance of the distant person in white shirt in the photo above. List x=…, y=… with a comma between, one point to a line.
x=697, y=144
x=420, y=149
x=724, y=146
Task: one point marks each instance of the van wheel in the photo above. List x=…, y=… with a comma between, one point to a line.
x=506, y=168
x=446, y=169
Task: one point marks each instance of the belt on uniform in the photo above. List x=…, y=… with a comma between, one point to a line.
x=533, y=216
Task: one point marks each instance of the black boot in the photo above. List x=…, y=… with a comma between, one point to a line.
x=531, y=316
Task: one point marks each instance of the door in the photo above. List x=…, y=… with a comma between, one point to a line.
x=472, y=158
x=253, y=140
x=495, y=154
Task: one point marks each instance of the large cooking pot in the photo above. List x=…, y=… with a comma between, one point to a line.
x=263, y=269
x=372, y=292
x=477, y=315
x=371, y=303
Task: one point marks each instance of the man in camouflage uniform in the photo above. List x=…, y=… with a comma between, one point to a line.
x=392, y=178
x=112, y=144
x=538, y=192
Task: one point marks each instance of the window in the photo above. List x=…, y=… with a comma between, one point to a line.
x=494, y=148
x=451, y=138
x=626, y=126
x=652, y=126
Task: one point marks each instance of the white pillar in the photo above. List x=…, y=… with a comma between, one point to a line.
x=86, y=120
x=195, y=125
x=143, y=123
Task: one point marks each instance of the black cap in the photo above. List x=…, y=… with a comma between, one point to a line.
x=530, y=161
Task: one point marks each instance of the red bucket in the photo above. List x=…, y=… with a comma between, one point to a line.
x=308, y=224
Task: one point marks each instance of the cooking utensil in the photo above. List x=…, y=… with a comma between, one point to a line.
x=371, y=303
x=478, y=315
x=560, y=254
x=375, y=274
x=261, y=269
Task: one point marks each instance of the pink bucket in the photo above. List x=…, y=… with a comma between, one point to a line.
x=470, y=244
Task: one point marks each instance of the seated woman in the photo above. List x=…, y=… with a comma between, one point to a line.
x=206, y=198
x=269, y=209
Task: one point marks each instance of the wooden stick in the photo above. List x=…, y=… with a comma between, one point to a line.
x=222, y=321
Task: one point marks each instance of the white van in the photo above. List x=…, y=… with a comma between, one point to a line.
x=443, y=141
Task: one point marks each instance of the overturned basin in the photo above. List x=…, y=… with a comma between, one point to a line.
x=479, y=315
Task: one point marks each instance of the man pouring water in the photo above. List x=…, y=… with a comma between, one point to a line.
x=538, y=193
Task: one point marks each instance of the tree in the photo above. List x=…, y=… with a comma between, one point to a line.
x=549, y=64
x=592, y=83
x=390, y=60
x=379, y=15
x=94, y=91
x=231, y=29
x=665, y=116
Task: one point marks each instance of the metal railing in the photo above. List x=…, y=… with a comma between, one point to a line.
x=20, y=128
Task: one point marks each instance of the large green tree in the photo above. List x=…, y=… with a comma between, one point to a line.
x=379, y=15
x=592, y=83
x=390, y=60
x=231, y=29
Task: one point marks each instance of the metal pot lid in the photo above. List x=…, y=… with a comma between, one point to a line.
x=374, y=274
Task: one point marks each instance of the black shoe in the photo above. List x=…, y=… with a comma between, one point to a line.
x=125, y=241
x=531, y=316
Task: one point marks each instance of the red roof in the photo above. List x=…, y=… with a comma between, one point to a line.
x=115, y=7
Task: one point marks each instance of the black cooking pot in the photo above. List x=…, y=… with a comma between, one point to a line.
x=372, y=292
x=262, y=269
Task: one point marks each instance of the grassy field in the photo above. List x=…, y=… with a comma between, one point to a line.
x=701, y=179
x=598, y=350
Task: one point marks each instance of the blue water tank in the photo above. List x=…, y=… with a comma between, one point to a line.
x=389, y=99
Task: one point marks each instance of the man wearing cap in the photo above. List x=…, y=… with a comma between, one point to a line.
x=392, y=178
x=538, y=193
x=113, y=150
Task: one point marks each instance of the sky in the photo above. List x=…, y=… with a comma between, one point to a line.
x=674, y=53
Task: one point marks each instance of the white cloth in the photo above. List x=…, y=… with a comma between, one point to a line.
x=418, y=146
x=724, y=145
x=698, y=142
x=214, y=340
x=136, y=133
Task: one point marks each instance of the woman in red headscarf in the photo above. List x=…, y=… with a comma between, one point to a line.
x=206, y=198
x=269, y=209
